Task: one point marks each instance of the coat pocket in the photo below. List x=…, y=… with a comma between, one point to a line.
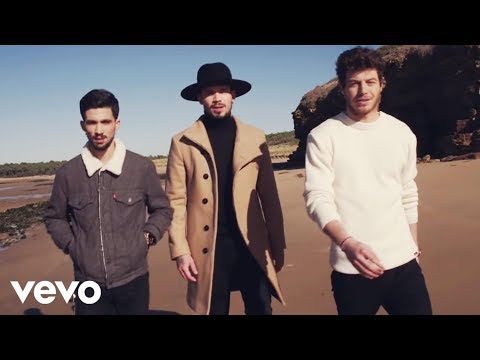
x=129, y=211
x=79, y=202
x=81, y=210
x=83, y=216
x=130, y=214
x=128, y=197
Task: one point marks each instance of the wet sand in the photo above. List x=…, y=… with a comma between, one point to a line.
x=449, y=234
x=23, y=191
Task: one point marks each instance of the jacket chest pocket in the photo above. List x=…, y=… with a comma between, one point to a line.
x=129, y=208
x=81, y=209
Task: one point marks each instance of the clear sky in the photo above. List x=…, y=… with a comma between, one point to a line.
x=41, y=86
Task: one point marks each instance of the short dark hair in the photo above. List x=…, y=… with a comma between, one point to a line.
x=99, y=98
x=359, y=58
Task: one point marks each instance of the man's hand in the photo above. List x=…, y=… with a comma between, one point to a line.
x=186, y=267
x=417, y=254
x=149, y=238
x=278, y=259
x=363, y=258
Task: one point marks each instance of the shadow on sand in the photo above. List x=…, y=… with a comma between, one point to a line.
x=36, y=311
x=162, y=312
x=33, y=311
x=287, y=166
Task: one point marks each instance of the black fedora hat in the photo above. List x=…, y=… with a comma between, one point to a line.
x=214, y=74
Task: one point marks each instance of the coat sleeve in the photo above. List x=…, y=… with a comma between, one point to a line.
x=176, y=190
x=157, y=203
x=270, y=201
x=56, y=215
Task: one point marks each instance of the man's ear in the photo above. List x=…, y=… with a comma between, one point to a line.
x=383, y=83
x=82, y=125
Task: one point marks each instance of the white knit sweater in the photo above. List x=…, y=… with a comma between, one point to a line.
x=363, y=175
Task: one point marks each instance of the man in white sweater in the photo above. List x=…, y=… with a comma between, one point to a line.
x=360, y=189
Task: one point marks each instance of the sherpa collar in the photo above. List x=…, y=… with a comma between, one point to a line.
x=114, y=165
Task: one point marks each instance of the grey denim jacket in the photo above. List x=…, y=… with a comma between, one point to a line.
x=100, y=220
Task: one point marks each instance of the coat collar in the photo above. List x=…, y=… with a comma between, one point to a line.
x=114, y=165
x=198, y=134
x=246, y=148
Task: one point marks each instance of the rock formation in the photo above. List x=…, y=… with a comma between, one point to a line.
x=435, y=89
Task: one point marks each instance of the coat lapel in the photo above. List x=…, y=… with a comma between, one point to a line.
x=246, y=148
x=198, y=134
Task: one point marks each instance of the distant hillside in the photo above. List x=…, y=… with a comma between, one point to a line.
x=282, y=144
x=282, y=138
x=157, y=157
x=29, y=169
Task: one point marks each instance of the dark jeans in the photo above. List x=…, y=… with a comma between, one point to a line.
x=129, y=299
x=401, y=291
x=236, y=269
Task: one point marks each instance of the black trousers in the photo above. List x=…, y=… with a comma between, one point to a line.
x=237, y=269
x=129, y=299
x=401, y=291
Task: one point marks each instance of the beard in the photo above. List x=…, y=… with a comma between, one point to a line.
x=364, y=110
x=212, y=114
x=219, y=116
x=102, y=147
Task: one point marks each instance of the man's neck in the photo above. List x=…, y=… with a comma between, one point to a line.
x=210, y=121
x=366, y=118
x=103, y=155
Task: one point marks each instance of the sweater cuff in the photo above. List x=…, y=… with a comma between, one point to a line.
x=327, y=219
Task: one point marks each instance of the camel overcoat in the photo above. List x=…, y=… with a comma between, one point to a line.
x=191, y=187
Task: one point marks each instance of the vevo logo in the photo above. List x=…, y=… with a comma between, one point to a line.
x=47, y=288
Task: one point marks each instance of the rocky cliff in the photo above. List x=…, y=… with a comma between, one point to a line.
x=435, y=89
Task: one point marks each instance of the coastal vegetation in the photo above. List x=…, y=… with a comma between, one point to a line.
x=14, y=222
x=29, y=169
x=281, y=144
x=282, y=138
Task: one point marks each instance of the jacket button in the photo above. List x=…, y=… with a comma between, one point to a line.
x=205, y=176
x=204, y=250
x=206, y=228
x=204, y=201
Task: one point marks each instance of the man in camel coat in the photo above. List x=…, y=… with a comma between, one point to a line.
x=227, y=231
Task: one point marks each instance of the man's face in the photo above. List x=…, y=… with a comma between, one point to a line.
x=217, y=100
x=362, y=92
x=100, y=127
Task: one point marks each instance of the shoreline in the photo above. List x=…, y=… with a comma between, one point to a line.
x=35, y=178
x=30, y=218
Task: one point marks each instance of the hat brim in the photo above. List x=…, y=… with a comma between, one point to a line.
x=191, y=92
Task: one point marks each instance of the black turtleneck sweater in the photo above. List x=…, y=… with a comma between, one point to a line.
x=221, y=133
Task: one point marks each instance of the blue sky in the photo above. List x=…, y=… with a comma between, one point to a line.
x=40, y=89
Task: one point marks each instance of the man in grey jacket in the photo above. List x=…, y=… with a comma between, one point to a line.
x=98, y=209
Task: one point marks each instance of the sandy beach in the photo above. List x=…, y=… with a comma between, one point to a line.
x=449, y=234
